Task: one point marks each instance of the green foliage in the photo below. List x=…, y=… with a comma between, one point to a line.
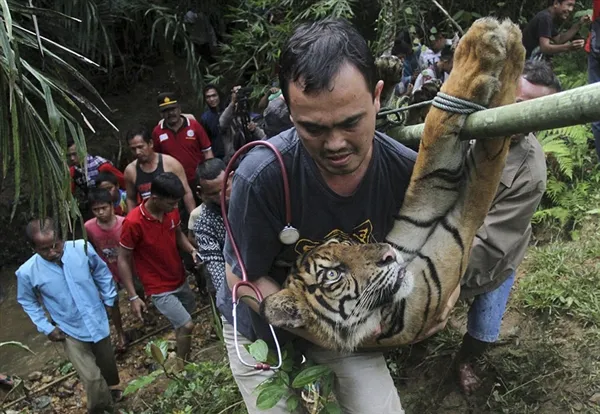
x=292, y=380
x=206, y=387
x=573, y=177
x=42, y=107
x=250, y=52
x=563, y=278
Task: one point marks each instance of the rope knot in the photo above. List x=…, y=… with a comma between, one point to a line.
x=455, y=105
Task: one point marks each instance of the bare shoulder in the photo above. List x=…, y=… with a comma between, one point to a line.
x=170, y=163
x=129, y=172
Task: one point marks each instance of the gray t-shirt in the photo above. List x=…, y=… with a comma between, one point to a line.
x=257, y=206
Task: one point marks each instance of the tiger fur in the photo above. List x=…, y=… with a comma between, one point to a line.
x=389, y=294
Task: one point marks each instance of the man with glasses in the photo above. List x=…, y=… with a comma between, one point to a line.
x=77, y=289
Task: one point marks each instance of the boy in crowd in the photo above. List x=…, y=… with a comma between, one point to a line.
x=104, y=232
x=108, y=181
x=151, y=241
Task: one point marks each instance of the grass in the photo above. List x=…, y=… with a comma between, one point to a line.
x=563, y=279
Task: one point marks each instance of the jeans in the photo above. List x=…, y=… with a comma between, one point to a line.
x=593, y=77
x=485, y=314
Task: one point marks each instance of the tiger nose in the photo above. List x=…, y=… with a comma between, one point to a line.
x=387, y=258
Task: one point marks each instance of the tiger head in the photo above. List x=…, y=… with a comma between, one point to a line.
x=336, y=291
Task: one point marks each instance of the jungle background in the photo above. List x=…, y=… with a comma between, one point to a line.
x=91, y=69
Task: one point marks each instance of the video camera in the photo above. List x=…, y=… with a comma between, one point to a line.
x=242, y=96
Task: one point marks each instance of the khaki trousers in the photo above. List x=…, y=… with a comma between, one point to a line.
x=363, y=382
x=97, y=369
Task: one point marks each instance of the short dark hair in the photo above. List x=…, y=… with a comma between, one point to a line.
x=551, y=2
x=401, y=48
x=316, y=51
x=99, y=196
x=539, y=72
x=446, y=53
x=108, y=177
x=139, y=130
x=210, y=169
x=35, y=226
x=209, y=87
x=167, y=185
x=70, y=142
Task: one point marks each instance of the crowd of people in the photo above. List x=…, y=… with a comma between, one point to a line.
x=162, y=214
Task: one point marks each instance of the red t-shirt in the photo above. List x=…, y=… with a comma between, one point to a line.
x=595, y=15
x=106, y=243
x=187, y=145
x=154, y=244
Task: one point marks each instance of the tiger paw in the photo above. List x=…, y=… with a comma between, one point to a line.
x=488, y=60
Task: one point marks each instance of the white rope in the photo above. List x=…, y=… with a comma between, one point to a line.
x=456, y=105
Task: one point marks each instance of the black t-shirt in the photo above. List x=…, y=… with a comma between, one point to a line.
x=257, y=206
x=542, y=25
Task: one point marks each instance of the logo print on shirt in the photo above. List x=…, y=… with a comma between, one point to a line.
x=190, y=134
x=163, y=137
x=363, y=233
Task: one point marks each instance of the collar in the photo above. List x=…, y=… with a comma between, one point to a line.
x=186, y=123
x=517, y=154
x=145, y=213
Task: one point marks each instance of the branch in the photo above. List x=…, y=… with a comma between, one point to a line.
x=462, y=32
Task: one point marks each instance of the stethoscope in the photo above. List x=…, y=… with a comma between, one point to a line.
x=288, y=236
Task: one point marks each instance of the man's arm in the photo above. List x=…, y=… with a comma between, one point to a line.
x=130, y=187
x=548, y=48
x=26, y=297
x=184, y=244
x=102, y=277
x=204, y=142
x=570, y=34
x=176, y=168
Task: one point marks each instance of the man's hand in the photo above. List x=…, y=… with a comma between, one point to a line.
x=442, y=320
x=195, y=256
x=585, y=19
x=251, y=126
x=57, y=335
x=137, y=307
x=577, y=44
x=234, y=92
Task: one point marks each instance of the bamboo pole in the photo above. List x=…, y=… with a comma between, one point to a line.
x=575, y=106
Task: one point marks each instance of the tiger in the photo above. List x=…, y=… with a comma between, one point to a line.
x=353, y=296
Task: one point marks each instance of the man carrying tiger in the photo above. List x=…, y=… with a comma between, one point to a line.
x=501, y=243
x=347, y=183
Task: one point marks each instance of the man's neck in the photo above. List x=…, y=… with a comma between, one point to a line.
x=153, y=210
x=107, y=225
x=151, y=161
x=178, y=125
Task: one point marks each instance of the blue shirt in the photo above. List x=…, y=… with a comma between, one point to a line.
x=74, y=294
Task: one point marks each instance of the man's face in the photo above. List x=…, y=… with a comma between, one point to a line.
x=337, y=125
x=211, y=189
x=141, y=149
x=103, y=211
x=447, y=65
x=166, y=205
x=564, y=9
x=72, y=157
x=111, y=188
x=48, y=245
x=438, y=44
x=171, y=115
x=527, y=90
x=212, y=98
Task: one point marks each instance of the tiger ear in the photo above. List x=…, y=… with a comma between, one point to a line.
x=281, y=310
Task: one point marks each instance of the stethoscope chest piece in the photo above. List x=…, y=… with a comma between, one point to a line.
x=289, y=235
